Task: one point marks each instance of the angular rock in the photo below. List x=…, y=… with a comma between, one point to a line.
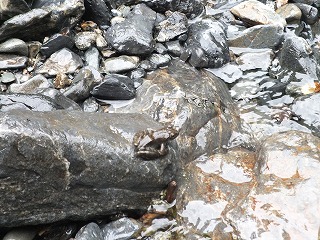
x=253, y=12
x=174, y=48
x=175, y=25
x=82, y=84
x=92, y=58
x=195, y=102
x=31, y=86
x=90, y=105
x=15, y=46
x=90, y=231
x=55, y=43
x=37, y=23
x=310, y=14
x=27, y=102
x=84, y=40
x=8, y=61
x=11, y=8
x=115, y=87
x=64, y=61
x=61, y=81
x=73, y=169
x=159, y=60
x=123, y=228
x=120, y=64
x=134, y=35
x=290, y=12
x=259, y=60
x=260, y=36
x=206, y=45
x=308, y=110
x=97, y=11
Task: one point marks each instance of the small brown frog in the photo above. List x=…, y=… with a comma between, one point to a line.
x=151, y=144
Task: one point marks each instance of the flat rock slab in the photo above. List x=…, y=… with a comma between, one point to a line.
x=8, y=61
x=72, y=165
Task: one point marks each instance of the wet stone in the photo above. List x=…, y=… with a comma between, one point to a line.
x=160, y=60
x=30, y=86
x=229, y=73
x=82, y=84
x=254, y=12
x=11, y=8
x=134, y=35
x=175, y=25
x=97, y=11
x=90, y=231
x=120, y=64
x=174, y=48
x=83, y=40
x=206, y=45
x=63, y=60
x=14, y=46
x=92, y=57
x=7, y=77
x=260, y=36
x=55, y=43
x=8, y=61
x=115, y=87
x=310, y=14
x=124, y=228
x=290, y=12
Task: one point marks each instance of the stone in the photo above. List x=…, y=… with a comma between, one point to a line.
x=32, y=102
x=11, y=8
x=259, y=60
x=120, y=64
x=14, y=46
x=80, y=166
x=137, y=73
x=206, y=45
x=90, y=231
x=82, y=84
x=175, y=24
x=290, y=12
x=30, y=86
x=159, y=60
x=174, y=48
x=310, y=14
x=97, y=11
x=229, y=72
x=64, y=61
x=7, y=77
x=253, y=12
x=260, y=36
x=21, y=234
x=59, y=98
x=8, y=61
x=115, y=87
x=90, y=105
x=55, y=43
x=133, y=36
x=61, y=81
x=308, y=110
x=92, y=57
x=42, y=20
x=123, y=228
x=34, y=48
x=84, y=40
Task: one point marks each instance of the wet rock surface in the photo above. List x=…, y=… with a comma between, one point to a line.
x=225, y=152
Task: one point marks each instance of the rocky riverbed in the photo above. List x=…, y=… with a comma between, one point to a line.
x=160, y=119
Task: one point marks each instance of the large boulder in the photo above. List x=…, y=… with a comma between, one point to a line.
x=72, y=165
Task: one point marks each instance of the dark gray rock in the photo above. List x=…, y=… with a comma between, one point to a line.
x=60, y=99
x=27, y=102
x=159, y=60
x=8, y=61
x=37, y=23
x=11, y=8
x=115, y=87
x=14, y=46
x=64, y=61
x=81, y=166
x=97, y=11
x=260, y=36
x=175, y=25
x=90, y=231
x=174, y=48
x=134, y=34
x=82, y=84
x=206, y=45
x=123, y=228
x=120, y=64
x=55, y=43
x=310, y=14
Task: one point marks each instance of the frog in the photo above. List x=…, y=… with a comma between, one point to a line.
x=151, y=144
